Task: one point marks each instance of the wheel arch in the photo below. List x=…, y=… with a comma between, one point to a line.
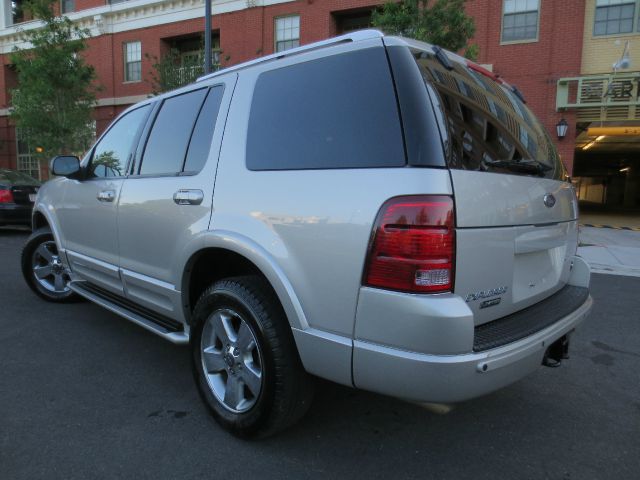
x=38, y=220
x=228, y=254
x=43, y=217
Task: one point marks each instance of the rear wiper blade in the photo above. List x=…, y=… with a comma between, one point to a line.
x=524, y=166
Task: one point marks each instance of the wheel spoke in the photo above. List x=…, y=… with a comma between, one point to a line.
x=233, y=392
x=213, y=360
x=218, y=324
x=232, y=335
x=59, y=282
x=252, y=379
x=45, y=253
x=245, y=340
x=42, y=272
x=208, y=335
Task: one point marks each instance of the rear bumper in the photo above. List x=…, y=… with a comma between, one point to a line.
x=452, y=378
x=428, y=349
x=14, y=214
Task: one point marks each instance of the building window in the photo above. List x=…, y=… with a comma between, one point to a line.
x=614, y=17
x=287, y=33
x=520, y=20
x=18, y=13
x=27, y=161
x=351, y=22
x=132, y=62
x=67, y=6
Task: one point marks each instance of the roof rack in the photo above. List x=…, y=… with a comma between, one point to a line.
x=351, y=37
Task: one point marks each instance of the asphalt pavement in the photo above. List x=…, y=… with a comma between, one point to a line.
x=84, y=394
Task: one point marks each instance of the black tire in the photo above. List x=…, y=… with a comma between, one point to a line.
x=286, y=391
x=44, y=237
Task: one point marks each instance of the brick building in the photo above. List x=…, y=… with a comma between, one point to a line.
x=541, y=46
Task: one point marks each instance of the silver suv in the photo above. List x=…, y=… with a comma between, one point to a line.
x=368, y=209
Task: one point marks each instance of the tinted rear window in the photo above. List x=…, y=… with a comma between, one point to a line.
x=203, y=132
x=18, y=178
x=488, y=126
x=335, y=112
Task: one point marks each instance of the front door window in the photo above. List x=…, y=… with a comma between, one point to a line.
x=112, y=152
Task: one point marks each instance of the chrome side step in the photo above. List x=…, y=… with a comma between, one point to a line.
x=164, y=327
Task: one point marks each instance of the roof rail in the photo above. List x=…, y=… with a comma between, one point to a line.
x=350, y=37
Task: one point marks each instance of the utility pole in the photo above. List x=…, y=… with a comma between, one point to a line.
x=207, y=37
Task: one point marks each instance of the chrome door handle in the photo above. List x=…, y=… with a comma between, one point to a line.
x=106, y=195
x=188, y=197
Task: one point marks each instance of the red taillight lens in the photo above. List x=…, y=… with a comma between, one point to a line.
x=6, y=196
x=413, y=245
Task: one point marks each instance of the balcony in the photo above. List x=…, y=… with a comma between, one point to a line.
x=177, y=68
x=601, y=97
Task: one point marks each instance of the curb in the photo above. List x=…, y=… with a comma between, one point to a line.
x=614, y=270
x=633, y=229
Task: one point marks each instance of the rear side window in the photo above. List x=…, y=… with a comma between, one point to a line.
x=167, y=144
x=489, y=127
x=200, y=144
x=335, y=112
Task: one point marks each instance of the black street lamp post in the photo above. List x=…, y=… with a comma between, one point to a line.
x=207, y=37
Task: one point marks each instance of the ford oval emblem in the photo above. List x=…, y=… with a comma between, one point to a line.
x=549, y=200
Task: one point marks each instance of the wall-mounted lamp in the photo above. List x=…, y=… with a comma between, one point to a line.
x=625, y=61
x=561, y=128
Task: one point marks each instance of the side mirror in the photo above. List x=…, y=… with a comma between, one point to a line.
x=65, y=166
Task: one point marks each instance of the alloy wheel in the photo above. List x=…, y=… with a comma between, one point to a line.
x=232, y=360
x=48, y=269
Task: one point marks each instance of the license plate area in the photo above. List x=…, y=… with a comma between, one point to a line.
x=537, y=272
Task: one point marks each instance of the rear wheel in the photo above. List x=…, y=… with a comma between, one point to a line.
x=245, y=361
x=43, y=270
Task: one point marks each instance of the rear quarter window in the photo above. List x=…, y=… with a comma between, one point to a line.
x=489, y=127
x=334, y=112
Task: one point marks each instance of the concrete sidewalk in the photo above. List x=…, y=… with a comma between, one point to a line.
x=615, y=252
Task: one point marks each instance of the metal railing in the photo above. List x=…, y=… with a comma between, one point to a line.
x=615, y=95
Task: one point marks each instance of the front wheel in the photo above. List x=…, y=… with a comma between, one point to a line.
x=245, y=361
x=43, y=270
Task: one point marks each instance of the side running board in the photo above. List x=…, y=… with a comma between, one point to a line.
x=163, y=326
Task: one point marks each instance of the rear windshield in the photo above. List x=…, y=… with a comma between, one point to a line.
x=486, y=125
x=18, y=178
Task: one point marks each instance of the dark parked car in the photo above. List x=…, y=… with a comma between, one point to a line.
x=17, y=194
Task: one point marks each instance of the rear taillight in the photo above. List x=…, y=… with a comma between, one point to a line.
x=412, y=248
x=6, y=196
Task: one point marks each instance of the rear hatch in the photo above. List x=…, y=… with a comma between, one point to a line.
x=516, y=212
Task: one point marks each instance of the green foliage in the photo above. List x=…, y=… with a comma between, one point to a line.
x=440, y=22
x=171, y=71
x=54, y=101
